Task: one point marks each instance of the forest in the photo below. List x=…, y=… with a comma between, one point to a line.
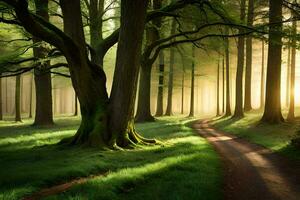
x=149, y=99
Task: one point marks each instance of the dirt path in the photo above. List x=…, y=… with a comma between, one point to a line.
x=57, y=189
x=251, y=171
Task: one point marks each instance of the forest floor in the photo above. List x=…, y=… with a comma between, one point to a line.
x=184, y=167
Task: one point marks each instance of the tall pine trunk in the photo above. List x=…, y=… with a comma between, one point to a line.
x=291, y=113
x=272, y=111
x=223, y=85
x=182, y=85
x=192, y=101
x=248, y=75
x=238, y=112
x=218, y=89
x=18, y=99
x=169, y=111
x=228, y=102
x=160, y=93
x=262, y=76
x=30, y=96
x=42, y=76
x=288, y=78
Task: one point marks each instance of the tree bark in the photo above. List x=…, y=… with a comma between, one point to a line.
x=160, y=93
x=1, y=110
x=218, y=89
x=126, y=74
x=144, y=96
x=248, y=75
x=262, y=76
x=228, y=106
x=30, y=96
x=291, y=113
x=288, y=78
x=75, y=106
x=182, y=85
x=223, y=85
x=192, y=102
x=169, y=111
x=238, y=112
x=272, y=112
x=42, y=76
x=18, y=99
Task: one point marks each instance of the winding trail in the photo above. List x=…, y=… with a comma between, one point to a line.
x=251, y=171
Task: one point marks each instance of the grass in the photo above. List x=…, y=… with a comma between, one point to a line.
x=186, y=167
x=275, y=137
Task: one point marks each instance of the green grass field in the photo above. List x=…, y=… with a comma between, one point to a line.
x=185, y=167
x=275, y=137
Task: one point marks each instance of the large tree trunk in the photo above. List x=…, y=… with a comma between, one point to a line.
x=144, y=95
x=238, y=112
x=218, y=89
x=18, y=99
x=291, y=113
x=160, y=93
x=169, y=111
x=248, y=75
x=228, y=106
x=262, y=76
x=1, y=110
x=126, y=73
x=42, y=76
x=192, y=102
x=272, y=112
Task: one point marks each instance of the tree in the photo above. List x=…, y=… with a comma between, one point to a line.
x=291, y=113
x=272, y=111
x=30, y=96
x=182, y=83
x=42, y=75
x=18, y=99
x=248, y=75
x=160, y=93
x=218, y=89
x=262, y=76
x=223, y=85
x=238, y=112
x=143, y=112
x=228, y=106
x=1, y=110
x=288, y=77
x=171, y=75
x=192, y=101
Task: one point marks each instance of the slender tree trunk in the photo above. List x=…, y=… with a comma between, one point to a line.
x=160, y=94
x=192, y=103
x=182, y=85
x=144, y=96
x=238, y=112
x=272, y=112
x=218, y=89
x=248, y=76
x=223, y=85
x=288, y=78
x=1, y=111
x=291, y=113
x=75, y=106
x=228, y=102
x=42, y=76
x=262, y=76
x=30, y=96
x=18, y=99
x=171, y=76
